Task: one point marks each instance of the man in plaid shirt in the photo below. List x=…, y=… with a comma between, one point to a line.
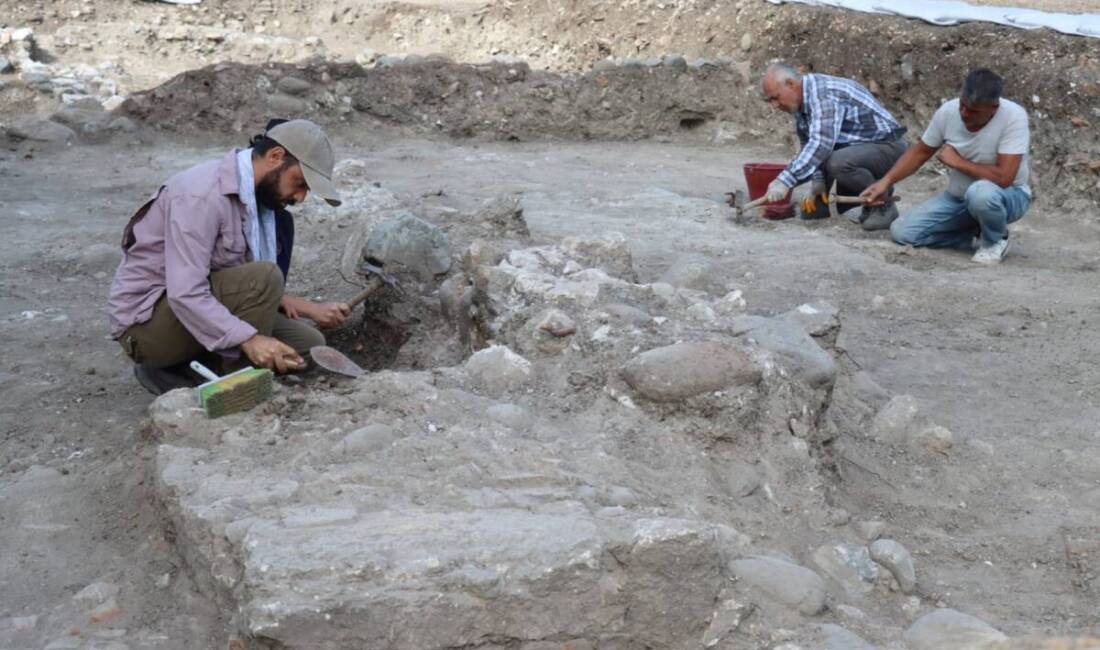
x=847, y=138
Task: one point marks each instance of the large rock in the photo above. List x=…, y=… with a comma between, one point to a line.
x=788, y=340
x=410, y=241
x=36, y=130
x=948, y=629
x=683, y=370
x=795, y=586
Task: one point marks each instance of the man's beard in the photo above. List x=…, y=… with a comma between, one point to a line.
x=267, y=191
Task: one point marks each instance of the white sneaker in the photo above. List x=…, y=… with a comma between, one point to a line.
x=992, y=254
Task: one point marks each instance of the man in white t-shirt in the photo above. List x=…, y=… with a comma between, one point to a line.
x=984, y=141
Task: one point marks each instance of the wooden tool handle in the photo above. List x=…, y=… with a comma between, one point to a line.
x=372, y=285
x=856, y=200
x=756, y=203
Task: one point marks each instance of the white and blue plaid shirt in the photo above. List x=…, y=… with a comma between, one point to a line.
x=835, y=111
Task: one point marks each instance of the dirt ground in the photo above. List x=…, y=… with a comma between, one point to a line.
x=1005, y=528
x=1002, y=356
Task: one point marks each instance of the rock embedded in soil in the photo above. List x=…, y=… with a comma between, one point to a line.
x=934, y=438
x=293, y=85
x=726, y=620
x=510, y=415
x=894, y=420
x=691, y=272
x=870, y=530
x=948, y=629
x=790, y=342
x=897, y=560
x=36, y=130
x=850, y=565
x=497, y=370
x=287, y=105
x=682, y=370
x=835, y=637
x=791, y=584
x=409, y=241
x=96, y=594
x=372, y=437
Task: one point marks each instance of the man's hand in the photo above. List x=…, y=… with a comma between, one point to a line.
x=326, y=314
x=777, y=191
x=950, y=156
x=875, y=194
x=329, y=314
x=267, y=352
x=291, y=306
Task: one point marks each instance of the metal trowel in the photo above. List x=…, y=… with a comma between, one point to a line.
x=333, y=360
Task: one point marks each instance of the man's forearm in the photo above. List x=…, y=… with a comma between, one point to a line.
x=910, y=161
x=985, y=172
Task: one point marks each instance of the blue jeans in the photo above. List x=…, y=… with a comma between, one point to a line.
x=946, y=221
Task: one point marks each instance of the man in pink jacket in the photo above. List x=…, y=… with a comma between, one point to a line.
x=198, y=276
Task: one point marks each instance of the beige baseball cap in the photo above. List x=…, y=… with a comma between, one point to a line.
x=309, y=144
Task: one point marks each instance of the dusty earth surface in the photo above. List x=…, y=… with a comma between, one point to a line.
x=1002, y=524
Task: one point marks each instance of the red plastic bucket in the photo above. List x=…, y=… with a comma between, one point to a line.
x=758, y=176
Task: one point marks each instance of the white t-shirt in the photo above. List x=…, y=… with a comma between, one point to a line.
x=1006, y=133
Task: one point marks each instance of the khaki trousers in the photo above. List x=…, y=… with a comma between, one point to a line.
x=250, y=292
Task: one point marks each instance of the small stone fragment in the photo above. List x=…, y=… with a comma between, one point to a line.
x=95, y=594
x=898, y=561
x=618, y=495
x=727, y=618
x=510, y=415
x=105, y=612
x=557, y=324
x=373, y=437
x=935, y=439
x=895, y=419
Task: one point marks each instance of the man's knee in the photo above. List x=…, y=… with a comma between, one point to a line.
x=264, y=279
x=297, y=334
x=902, y=233
x=311, y=339
x=837, y=165
x=982, y=197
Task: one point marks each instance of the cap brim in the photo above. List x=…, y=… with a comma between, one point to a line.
x=321, y=186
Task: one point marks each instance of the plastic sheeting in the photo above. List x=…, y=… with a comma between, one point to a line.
x=952, y=12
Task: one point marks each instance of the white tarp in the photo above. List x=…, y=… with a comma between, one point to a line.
x=952, y=12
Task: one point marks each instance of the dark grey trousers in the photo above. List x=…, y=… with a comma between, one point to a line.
x=857, y=166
